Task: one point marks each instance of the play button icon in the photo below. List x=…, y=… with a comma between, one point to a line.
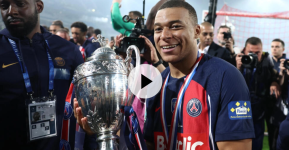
x=145, y=81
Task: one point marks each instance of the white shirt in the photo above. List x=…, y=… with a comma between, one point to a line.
x=205, y=50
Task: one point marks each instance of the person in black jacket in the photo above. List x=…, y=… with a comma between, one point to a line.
x=36, y=47
x=207, y=45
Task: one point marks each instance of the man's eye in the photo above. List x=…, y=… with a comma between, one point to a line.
x=158, y=29
x=20, y=4
x=176, y=26
x=4, y=6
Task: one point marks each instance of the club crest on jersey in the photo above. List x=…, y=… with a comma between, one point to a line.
x=194, y=107
x=67, y=111
x=240, y=110
x=64, y=145
x=59, y=61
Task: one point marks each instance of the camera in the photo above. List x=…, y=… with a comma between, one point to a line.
x=286, y=64
x=134, y=39
x=250, y=60
x=227, y=35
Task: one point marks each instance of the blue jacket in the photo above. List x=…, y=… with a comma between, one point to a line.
x=66, y=57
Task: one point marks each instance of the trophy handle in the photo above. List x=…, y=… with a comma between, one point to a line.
x=128, y=57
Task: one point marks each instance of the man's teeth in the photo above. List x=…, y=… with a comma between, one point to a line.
x=170, y=46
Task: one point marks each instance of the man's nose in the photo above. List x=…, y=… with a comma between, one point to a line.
x=166, y=34
x=13, y=10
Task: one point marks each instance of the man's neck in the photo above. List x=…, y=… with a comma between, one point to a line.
x=82, y=42
x=276, y=57
x=183, y=67
x=202, y=47
x=35, y=30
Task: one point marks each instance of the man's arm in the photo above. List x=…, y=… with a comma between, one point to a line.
x=245, y=144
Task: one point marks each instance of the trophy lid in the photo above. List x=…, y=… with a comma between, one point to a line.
x=102, y=61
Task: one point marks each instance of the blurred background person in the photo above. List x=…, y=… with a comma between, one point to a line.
x=57, y=24
x=95, y=33
x=64, y=33
x=79, y=31
x=90, y=31
x=208, y=46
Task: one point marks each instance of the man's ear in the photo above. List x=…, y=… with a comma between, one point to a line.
x=39, y=6
x=197, y=31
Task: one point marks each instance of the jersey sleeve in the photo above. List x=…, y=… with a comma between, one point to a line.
x=234, y=120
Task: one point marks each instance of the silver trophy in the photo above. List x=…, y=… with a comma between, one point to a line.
x=101, y=87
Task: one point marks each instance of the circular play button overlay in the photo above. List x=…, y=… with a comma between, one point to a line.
x=145, y=81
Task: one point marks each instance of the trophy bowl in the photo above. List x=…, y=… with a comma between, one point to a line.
x=101, y=89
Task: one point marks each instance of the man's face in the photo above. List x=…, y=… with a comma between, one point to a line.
x=220, y=35
x=77, y=35
x=175, y=34
x=53, y=29
x=20, y=16
x=131, y=15
x=207, y=34
x=277, y=49
x=256, y=49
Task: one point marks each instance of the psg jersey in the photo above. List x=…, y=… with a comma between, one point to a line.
x=215, y=107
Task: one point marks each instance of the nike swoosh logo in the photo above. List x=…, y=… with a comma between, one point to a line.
x=5, y=66
x=157, y=109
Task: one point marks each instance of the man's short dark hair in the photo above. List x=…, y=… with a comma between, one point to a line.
x=97, y=31
x=224, y=26
x=136, y=13
x=181, y=4
x=58, y=23
x=81, y=25
x=253, y=41
x=279, y=40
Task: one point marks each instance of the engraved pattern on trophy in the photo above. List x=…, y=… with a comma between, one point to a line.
x=101, y=89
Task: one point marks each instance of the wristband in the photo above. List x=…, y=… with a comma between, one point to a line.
x=158, y=63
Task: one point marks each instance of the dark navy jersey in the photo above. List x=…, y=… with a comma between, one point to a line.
x=216, y=107
x=90, y=47
x=66, y=57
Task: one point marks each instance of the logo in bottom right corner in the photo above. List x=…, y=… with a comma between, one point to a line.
x=239, y=110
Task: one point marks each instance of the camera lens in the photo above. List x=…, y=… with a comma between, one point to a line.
x=247, y=59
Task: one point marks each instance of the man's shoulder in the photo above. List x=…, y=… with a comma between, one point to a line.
x=217, y=64
x=58, y=41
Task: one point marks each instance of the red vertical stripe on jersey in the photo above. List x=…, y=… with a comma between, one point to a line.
x=197, y=127
x=65, y=123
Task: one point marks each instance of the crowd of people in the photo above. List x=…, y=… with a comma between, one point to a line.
x=214, y=96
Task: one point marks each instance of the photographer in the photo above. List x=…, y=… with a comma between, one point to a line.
x=276, y=109
x=226, y=40
x=262, y=81
x=283, y=136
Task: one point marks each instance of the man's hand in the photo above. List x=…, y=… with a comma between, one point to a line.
x=82, y=121
x=239, y=61
x=150, y=55
x=229, y=44
x=111, y=44
x=118, y=39
x=282, y=67
x=275, y=88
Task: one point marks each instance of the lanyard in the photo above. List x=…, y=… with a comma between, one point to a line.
x=171, y=137
x=25, y=71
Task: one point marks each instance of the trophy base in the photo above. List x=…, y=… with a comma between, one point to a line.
x=107, y=141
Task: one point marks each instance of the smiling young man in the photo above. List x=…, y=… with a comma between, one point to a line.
x=204, y=102
x=33, y=61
